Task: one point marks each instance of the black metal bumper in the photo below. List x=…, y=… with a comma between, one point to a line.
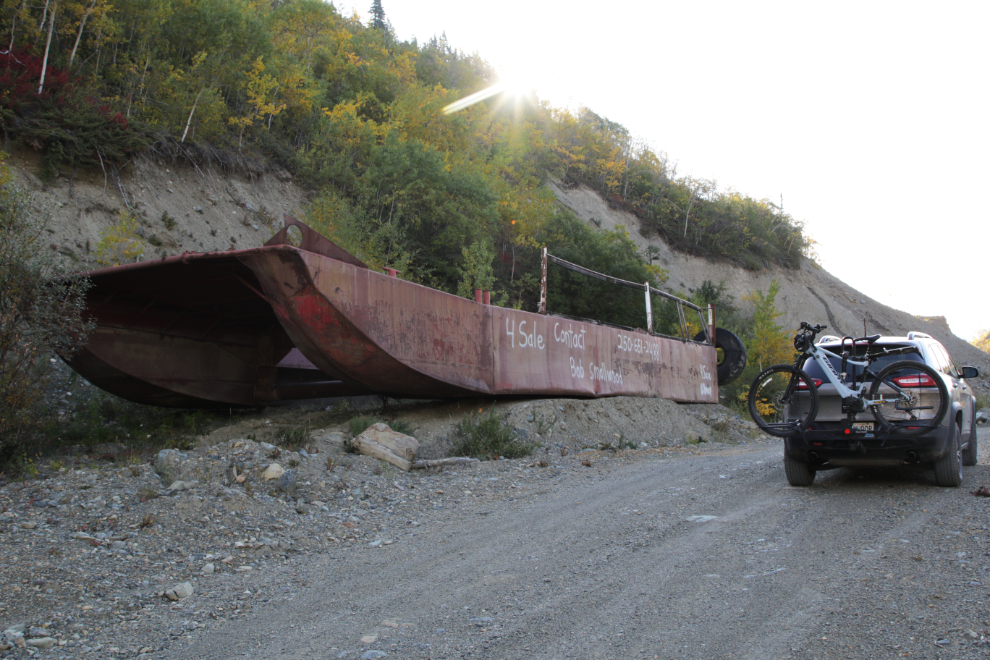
x=836, y=448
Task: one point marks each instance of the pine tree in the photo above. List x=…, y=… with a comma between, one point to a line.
x=378, y=16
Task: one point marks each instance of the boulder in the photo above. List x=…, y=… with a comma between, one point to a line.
x=403, y=446
x=273, y=471
x=173, y=465
x=287, y=483
x=179, y=591
x=42, y=642
x=381, y=442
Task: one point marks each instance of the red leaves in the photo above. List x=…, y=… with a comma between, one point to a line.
x=20, y=75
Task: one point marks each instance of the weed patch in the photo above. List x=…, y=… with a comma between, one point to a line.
x=544, y=425
x=490, y=438
x=360, y=424
x=291, y=438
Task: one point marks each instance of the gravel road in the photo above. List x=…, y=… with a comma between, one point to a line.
x=691, y=556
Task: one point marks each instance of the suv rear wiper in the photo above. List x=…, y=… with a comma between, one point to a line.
x=896, y=351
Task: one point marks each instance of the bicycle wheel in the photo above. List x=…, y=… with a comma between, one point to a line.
x=783, y=401
x=914, y=399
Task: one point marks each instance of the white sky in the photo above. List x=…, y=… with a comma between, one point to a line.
x=869, y=118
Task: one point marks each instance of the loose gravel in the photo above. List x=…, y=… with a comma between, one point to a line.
x=102, y=559
x=690, y=546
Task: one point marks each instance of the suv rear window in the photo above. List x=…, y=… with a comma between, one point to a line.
x=815, y=371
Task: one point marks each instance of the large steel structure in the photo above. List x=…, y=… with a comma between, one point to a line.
x=301, y=318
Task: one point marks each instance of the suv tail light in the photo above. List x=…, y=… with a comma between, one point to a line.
x=918, y=380
x=803, y=385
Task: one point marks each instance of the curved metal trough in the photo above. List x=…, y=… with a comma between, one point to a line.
x=282, y=322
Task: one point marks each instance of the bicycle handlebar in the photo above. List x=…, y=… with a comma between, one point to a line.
x=815, y=329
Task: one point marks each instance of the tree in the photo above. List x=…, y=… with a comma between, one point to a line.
x=41, y=312
x=378, y=16
x=48, y=44
x=982, y=341
x=769, y=343
x=477, y=270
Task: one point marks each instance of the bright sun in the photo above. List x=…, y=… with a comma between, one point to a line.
x=515, y=84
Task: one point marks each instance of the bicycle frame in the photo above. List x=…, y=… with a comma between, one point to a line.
x=821, y=355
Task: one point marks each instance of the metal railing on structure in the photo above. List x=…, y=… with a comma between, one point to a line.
x=678, y=320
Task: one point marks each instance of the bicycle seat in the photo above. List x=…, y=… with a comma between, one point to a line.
x=868, y=340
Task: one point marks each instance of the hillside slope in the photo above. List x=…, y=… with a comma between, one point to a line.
x=211, y=209
x=217, y=210
x=809, y=293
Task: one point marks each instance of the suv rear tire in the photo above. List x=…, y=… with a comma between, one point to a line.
x=798, y=472
x=969, y=455
x=948, y=469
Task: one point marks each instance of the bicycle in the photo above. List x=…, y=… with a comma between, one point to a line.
x=907, y=398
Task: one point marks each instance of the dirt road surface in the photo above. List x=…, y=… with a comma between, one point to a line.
x=710, y=556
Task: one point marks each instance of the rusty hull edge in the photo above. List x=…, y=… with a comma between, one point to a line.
x=328, y=338
x=365, y=324
x=157, y=366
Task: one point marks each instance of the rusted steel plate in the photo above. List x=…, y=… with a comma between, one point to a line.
x=388, y=334
x=546, y=353
x=396, y=336
x=194, y=331
x=276, y=323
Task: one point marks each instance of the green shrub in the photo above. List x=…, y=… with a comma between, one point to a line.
x=40, y=316
x=360, y=424
x=490, y=438
x=290, y=438
x=119, y=243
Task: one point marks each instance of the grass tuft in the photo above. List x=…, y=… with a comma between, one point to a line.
x=490, y=438
x=290, y=438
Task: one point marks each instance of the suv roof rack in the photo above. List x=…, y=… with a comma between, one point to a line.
x=828, y=338
x=914, y=334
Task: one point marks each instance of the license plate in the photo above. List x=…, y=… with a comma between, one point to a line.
x=863, y=427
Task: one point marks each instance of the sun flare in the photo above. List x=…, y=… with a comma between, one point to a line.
x=515, y=85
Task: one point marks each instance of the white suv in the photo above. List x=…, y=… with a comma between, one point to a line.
x=829, y=444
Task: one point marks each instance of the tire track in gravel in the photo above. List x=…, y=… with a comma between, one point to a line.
x=698, y=557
